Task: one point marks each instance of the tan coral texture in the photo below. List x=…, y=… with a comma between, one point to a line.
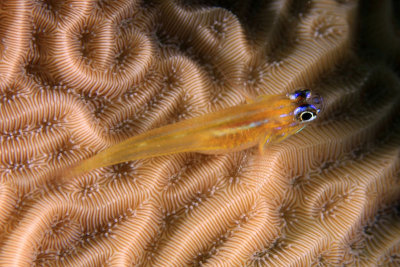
x=77, y=76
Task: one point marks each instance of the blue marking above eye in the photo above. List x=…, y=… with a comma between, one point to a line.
x=300, y=95
x=306, y=113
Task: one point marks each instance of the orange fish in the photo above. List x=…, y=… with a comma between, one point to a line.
x=264, y=120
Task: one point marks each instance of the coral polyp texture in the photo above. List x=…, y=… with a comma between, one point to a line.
x=79, y=76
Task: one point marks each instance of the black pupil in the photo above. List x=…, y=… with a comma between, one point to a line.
x=305, y=116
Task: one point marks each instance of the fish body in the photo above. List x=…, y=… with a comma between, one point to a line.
x=267, y=119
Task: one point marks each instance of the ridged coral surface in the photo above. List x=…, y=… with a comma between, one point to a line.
x=79, y=76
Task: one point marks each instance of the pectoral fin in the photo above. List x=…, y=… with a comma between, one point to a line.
x=263, y=143
x=280, y=138
x=269, y=139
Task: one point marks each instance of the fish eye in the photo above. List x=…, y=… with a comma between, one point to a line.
x=306, y=113
x=300, y=95
x=306, y=116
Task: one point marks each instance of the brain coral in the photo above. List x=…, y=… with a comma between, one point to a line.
x=78, y=76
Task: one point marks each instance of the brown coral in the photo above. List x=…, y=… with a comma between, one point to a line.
x=79, y=76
